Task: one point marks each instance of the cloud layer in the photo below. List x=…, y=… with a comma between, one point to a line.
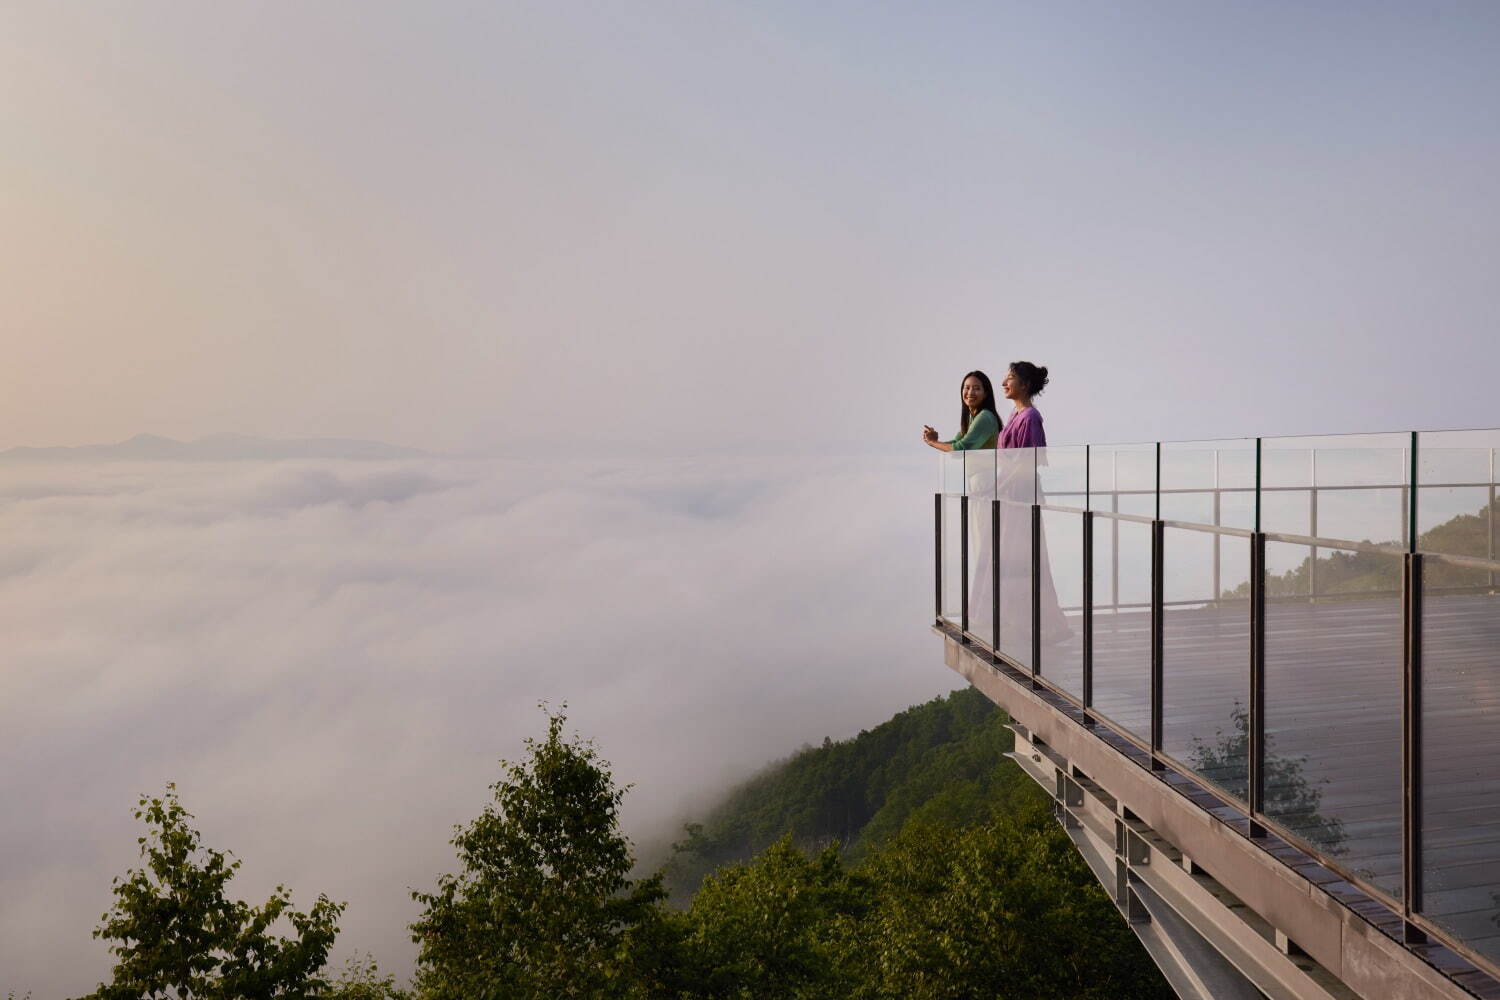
x=329, y=658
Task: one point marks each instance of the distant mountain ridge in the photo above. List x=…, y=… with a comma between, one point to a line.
x=214, y=448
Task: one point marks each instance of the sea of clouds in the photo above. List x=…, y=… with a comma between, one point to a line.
x=330, y=657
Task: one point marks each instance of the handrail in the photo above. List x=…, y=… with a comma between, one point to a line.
x=988, y=494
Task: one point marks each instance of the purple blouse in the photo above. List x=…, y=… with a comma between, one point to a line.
x=1024, y=430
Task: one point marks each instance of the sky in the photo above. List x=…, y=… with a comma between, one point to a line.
x=686, y=228
x=667, y=291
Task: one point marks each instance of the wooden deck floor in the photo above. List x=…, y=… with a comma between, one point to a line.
x=1333, y=723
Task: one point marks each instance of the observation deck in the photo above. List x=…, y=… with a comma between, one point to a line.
x=1261, y=680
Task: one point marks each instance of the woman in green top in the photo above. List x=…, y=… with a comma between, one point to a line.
x=978, y=429
x=978, y=424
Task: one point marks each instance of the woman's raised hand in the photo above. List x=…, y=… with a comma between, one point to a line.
x=928, y=434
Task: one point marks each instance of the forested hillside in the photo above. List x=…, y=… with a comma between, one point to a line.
x=943, y=762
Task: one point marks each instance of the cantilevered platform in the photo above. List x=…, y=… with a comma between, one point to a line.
x=1224, y=914
x=1276, y=741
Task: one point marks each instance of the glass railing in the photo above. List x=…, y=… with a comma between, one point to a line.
x=1309, y=627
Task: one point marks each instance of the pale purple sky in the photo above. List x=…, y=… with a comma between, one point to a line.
x=707, y=228
x=689, y=277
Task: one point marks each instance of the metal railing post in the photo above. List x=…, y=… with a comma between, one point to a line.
x=963, y=565
x=995, y=577
x=1158, y=615
x=1036, y=588
x=1255, y=719
x=1411, y=747
x=937, y=543
x=1088, y=583
x=1088, y=614
x=1411, y=718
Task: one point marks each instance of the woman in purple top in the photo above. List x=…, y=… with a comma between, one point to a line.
x=1024, y=381
x=1017, y=485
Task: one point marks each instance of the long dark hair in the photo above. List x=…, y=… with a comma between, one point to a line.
x=988, y=404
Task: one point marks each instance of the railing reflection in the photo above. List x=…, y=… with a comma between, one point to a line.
x=1308, y=627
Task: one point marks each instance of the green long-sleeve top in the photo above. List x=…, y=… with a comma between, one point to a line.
x=983, y=432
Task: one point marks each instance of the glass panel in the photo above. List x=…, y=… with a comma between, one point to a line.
x=1206, y=655
x=1016, y=490
x=1209, y=482
x=1456, y=494
x=1015, y=582
x=952, y=576
x=1333, y=705
x=1015, y=475
x=1351, y=487
x=1461, y=760
x=1122, y=622
x=980, y=480
x=1062, y=475
x=951, y=473
x=1122, y=478
x=1062, y=600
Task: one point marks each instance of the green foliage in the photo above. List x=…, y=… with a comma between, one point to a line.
x=177, y=934
x=542, y=907
x=775, y=927
x=361, y=980
x=1003, y=908
x=959, y=885
x=945, y=759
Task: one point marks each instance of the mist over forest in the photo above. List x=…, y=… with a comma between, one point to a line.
x=329, y=656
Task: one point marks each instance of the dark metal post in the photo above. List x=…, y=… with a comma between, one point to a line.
x=1255, y=723
x=995, y=577
x=1036, y=590
x=1088, y=583
x=1088, y=614
x=1158, y=611
x=937, y=543
x=963, y=565
x=1411, y=746
x=1411, y=714
x=1158, y=614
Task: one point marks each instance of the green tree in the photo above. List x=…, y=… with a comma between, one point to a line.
x=178, y=935
x=773, y=927
x=999, y=909
x=543, y=906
